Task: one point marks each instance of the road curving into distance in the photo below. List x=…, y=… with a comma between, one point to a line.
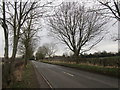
x=64, y=77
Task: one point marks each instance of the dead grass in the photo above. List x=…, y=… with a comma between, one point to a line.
x=18, y=73
x=24, y=77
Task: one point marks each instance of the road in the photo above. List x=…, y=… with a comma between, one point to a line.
x=64, y=77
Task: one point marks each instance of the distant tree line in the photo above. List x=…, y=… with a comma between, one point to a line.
x=100, y=54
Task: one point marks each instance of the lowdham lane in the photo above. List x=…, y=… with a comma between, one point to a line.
x=64, y=77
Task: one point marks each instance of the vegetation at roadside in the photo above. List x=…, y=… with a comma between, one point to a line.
x=100, y=61
x=92, y=68
x=29, y=79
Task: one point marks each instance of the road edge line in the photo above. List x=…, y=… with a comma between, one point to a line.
x=35, y=72
x=44, y=78
x=46, y=81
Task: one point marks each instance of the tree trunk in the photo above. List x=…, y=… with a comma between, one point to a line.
x=26, y=57
x=16, y=37
x=5, y=32
x=6, y=46
x=76, y=56
x=26, y=53
x=15, y=44
x=119, y=36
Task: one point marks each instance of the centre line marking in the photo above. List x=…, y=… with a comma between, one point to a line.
x=68, y=74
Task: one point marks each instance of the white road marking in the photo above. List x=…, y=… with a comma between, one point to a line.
x=46, y=80
x=68, y=74
x=44, y=77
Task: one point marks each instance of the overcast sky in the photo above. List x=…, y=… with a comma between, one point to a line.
x=107, y=44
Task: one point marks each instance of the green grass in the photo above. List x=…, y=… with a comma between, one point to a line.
x=96, y=69
x=29, y=79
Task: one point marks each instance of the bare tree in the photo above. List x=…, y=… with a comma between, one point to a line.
x=19, y=12
x=51, y=49
x=113, y=6
x=41, y=52
x=28, y=38
x=46, y=50
x=5, y=27
x=17, y=19
x=76, y=27
x=22, y=18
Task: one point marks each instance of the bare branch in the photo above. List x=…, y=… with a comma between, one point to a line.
x=76, y=26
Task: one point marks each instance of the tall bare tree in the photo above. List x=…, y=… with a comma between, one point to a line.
x=5, y=27
x=19, y=12
x=28, y=38
x=76, y=27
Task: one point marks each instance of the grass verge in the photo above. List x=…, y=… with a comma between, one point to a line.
x=29, y=79
x=115, y=72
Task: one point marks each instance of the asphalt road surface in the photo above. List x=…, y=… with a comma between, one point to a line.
x=64, y=77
